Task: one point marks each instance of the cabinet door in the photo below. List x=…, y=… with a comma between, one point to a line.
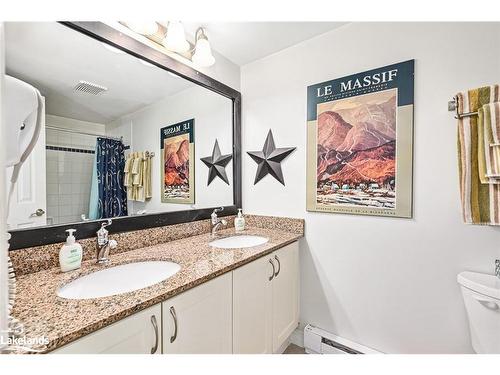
x=133, y=335
x=252, y=308
x=199, y=321
x=285, y=294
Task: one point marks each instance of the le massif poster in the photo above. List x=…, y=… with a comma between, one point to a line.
x=360, y=143
x=177, y=171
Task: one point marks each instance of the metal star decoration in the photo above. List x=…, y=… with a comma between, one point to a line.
x=217, y=164
x=269, y=159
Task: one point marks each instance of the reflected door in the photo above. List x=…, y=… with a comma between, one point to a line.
x=28, y=204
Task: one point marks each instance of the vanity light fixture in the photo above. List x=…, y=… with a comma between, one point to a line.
x=175, y=40
x=173, y=37
x=202, y=55
x=143, y=27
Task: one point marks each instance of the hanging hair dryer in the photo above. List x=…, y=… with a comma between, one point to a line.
x=22, y=107
x=23, y=119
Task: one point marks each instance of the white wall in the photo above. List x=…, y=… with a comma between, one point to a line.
x=384, y=282
x=213, y=120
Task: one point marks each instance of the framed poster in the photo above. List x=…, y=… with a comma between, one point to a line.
x=177, y=162
x=360, y=143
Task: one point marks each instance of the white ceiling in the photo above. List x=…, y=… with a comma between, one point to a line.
x=54, y=58
x=244, y=42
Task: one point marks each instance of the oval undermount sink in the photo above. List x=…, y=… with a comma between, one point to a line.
x=119, y=279
x=238, y=242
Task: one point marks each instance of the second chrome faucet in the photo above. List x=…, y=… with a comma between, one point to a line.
x=216, y=222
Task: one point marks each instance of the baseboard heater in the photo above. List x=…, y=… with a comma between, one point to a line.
x=319, y=341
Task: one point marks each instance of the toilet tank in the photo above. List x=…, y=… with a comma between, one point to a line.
x=483, y=310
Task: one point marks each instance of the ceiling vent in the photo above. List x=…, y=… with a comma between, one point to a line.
x=90, y=88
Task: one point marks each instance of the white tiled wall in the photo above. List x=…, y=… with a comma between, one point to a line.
x=69, y=174
x=68, y=185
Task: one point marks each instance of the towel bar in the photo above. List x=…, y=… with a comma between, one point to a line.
x=453, y=107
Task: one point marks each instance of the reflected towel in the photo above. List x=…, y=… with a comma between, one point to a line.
x=480, y=202
x=139, y=176
x=489, y=130
x=127, y=180
x=147, y=177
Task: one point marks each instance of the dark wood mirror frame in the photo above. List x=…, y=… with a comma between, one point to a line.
x=22, y=238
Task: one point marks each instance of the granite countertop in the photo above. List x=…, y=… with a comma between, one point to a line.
x=61, y=321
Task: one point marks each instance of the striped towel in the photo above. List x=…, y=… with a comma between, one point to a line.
x=489, y=130
x=480, y=202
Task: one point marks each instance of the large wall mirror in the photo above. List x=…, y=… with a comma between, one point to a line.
x=125, y=131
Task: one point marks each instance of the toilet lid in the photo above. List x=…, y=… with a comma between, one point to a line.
x=488, y=285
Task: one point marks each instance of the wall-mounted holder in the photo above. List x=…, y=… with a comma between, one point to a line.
x=453, y=107
x=217, y=164
x=269, y=159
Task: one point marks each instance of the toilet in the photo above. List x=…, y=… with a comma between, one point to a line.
x=481, y=293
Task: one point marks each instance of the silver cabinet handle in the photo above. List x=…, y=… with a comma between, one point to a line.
x=174, y=316
x=38, y=212
x=274, y=270
x=279, y=266
x=157, y=338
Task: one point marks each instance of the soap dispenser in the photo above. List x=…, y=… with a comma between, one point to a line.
x=70, y=255
x=239, y=221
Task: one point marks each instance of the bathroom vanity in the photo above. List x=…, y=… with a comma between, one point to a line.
x=251, y=309
x=233, y=300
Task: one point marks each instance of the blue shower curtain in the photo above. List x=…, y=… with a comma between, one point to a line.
x=108, y=196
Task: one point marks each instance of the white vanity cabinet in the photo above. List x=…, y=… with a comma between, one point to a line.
x=253, y=309
x=137, y=334
x=199, y=321
x=285, y=294
x=265, y=302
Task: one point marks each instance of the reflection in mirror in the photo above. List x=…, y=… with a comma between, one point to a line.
x=122, y=137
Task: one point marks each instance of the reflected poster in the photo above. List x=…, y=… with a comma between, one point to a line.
x=177, y=167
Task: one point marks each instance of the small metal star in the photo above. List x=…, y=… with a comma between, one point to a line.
x=269, y=159
x=217, y=164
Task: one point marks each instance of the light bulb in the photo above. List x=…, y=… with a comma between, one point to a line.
x=176, y=38
x=143, y=27
x=203, y=54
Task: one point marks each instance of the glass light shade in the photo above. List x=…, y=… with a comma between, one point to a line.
x=176, y=38
x=143, y=27
x=202, y=56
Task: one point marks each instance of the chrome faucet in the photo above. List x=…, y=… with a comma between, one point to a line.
x=216, y=222
x=104, y=244
x=497, y=268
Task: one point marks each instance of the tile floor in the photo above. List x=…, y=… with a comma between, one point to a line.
x=294, y=349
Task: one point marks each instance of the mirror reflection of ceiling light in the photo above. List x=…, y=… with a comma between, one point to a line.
x=143, y=27
x=202, y=52
x=175, y=40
